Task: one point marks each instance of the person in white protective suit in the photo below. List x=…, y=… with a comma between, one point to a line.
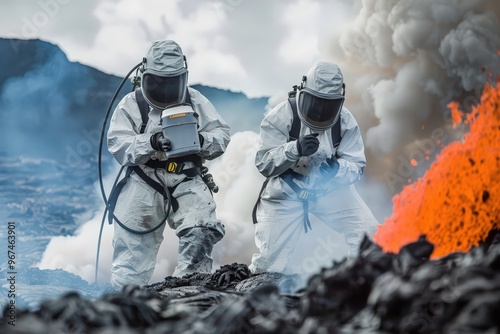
x=309, y=175
x=139, y=206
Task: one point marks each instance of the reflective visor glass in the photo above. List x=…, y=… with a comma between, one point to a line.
x=164, y=91
x=319, y=111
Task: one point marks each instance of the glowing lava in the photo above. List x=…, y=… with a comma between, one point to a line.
x=457, y=202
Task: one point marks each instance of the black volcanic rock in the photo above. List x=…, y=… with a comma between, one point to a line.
x=459, y=293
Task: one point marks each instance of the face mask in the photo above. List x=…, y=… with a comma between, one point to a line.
x=161, y=92
x=319, y=111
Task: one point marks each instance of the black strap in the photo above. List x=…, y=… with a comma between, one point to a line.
x=152, y=183
x=336, y=135
x=295, y=129
x=188, y=99
x=304, y=195
x=176, y=165
x=113, y=197
x=254, y=211
x=143, y=108
x=156, y=186
x=196, y=159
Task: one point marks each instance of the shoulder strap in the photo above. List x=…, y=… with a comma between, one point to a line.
x=188, y=98
x=143, y=108
x=254, y=211
x=336, y=135
x=295, y=129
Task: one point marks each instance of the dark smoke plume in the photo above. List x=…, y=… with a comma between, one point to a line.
x=406, y=60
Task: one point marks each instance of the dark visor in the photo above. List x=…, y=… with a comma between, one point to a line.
x=164, y=91
x=318, y=111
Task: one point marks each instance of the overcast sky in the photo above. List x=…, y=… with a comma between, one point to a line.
x=259, y=47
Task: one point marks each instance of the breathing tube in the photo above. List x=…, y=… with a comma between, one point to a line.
x=107, y=210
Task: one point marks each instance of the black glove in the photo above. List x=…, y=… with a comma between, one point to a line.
x=307, y=145
x=329, y=168
x=159, y=143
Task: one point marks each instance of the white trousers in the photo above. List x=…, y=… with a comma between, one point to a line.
x=140, y=207
x=280, y=217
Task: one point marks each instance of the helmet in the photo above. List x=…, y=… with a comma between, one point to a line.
x=321, y=96
x=164, y=74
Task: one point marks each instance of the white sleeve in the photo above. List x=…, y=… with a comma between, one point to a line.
x=275, y=154
x=351, y=151
x=212, y=127
x=124, y=141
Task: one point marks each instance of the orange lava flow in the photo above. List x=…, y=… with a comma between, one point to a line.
x=457, y=202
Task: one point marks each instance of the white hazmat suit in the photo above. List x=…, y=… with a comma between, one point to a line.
x=140, y=207
x=280, y=211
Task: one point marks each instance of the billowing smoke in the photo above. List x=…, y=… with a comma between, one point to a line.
x=406, y=60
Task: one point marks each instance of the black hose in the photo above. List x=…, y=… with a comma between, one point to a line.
x=103, y=130
x=101, y=184
x=99, y=163
x=102, y=226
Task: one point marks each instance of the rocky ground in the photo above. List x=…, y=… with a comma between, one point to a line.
x=375, y=292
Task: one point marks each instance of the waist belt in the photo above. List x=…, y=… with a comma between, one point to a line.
x=177, y=165
x=171, y=165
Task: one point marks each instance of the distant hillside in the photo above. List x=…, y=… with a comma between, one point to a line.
x=237, y=109
x=52, y=108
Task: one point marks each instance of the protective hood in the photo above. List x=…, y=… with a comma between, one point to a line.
x=164, y=74
x=321, y=97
